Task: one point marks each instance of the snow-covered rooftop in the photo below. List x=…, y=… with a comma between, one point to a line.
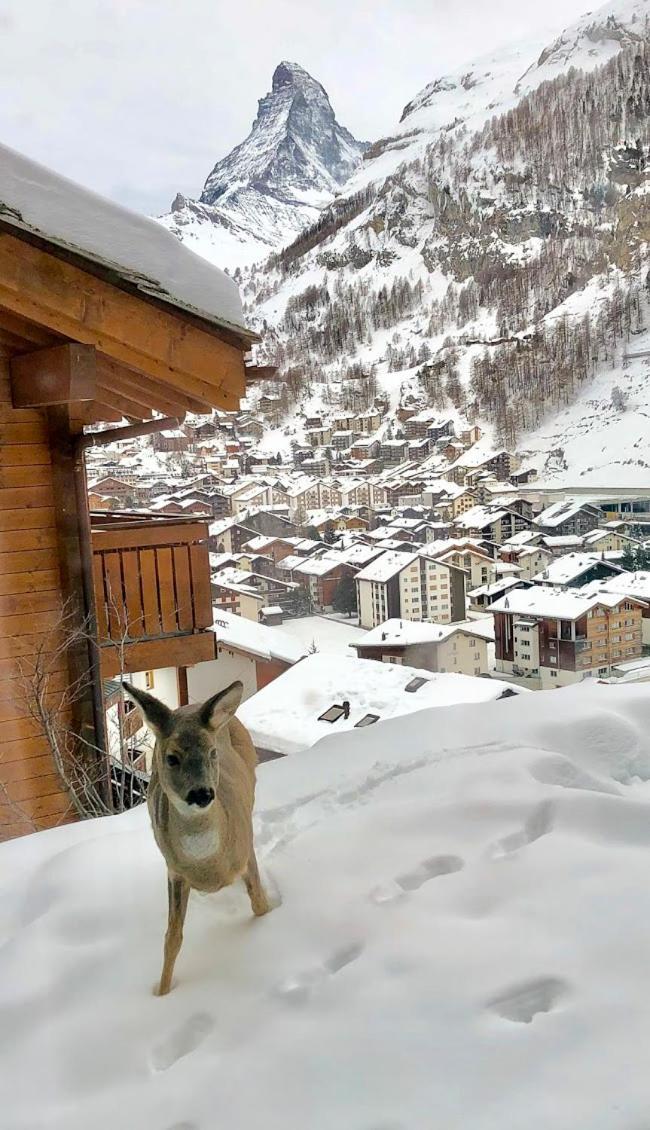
x=563, y=603
x=569, y=567
x=405, y=632
x=138, y=250
x=386, y=566
x=285, y=715
x=260, y=640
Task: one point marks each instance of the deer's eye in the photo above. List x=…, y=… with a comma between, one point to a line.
x=213, y=754
x=172, y=759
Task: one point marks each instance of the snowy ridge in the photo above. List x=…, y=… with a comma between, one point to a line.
x=460, y=886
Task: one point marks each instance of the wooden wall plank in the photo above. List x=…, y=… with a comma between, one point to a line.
x=183, y=580
x=33, y=432
x=150, y=594
x=12, y=604
x=40, y=518
x=131, y=574
x=29, y=581
x=17, y=477
x=28, y=560
x=25, y=497
x=200, y=566
x=25, y=455
x=166, y=593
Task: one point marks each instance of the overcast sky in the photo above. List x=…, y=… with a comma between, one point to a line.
x=139, y=98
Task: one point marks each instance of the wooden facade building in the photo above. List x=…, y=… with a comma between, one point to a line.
x=105, y=320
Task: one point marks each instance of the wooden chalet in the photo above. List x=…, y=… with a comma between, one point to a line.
x=106, y=322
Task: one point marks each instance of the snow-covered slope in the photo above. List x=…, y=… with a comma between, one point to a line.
x=462, y=941
x=275, y=183
x=479, y=258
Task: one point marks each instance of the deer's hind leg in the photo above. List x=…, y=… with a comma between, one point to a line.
x=256, y=893
x=178, y=893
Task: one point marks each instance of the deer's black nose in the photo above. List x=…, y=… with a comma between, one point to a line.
x=201, y=797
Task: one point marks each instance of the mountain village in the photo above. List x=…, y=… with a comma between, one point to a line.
x=333, y=482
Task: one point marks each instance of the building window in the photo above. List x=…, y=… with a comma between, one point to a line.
x=554, y=674
x=553, y=658
x=148, y=680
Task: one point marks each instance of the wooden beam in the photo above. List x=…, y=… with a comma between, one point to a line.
x=36, y=285
x=57, y=375
x=129, y=409
x=27, y=333
x=260, y=373
x=149, y=655
x=77, y=587
x=141, y=388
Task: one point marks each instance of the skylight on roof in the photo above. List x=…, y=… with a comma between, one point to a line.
x=415, y=684
x=367, y=720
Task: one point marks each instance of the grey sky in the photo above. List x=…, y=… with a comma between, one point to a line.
x=138, y=98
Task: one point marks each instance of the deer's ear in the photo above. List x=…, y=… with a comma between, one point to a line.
x=219, y=709
x=157, y=716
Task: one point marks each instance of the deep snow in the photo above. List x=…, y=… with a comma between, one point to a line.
x=462, y=943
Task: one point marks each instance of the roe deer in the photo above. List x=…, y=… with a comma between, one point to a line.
x=200, y=801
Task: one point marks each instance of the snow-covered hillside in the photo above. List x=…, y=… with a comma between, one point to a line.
x=462, y=941
x=489, y=256
x=276, y=182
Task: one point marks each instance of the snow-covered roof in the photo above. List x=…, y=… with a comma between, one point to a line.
x=386, y=566
x=479, y=517
x=406, y=632
x=319, y=566
x=284, y=716
x=635, y=584
x=560, y=511
x=137, y=250
x=495, y=587
x=260, y=640
x=569, y=567
x=561, y=604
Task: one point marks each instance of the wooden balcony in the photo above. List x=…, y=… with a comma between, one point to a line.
x=152, y=592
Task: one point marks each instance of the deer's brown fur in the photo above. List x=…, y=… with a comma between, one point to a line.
x=200, y=799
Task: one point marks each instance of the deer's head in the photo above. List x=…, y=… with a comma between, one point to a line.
x=189, y=742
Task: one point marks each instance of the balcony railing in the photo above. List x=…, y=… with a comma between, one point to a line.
x=152, y=583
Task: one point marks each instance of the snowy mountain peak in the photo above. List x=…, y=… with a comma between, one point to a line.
x=292, y=74
x=295, y=146
x=276, y=181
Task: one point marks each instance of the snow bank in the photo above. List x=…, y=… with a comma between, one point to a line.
x=462, y=942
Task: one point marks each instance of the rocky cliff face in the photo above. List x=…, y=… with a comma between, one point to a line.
x=275, y=183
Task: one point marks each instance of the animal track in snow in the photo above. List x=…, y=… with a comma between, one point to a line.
x=345, y=956
x=522, y=1002
x=299, y=987
x=429, y=869
x=184, y=1040
x=538, y=824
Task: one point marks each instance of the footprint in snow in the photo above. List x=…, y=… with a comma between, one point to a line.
x=299, y=987
x=429, y=869
x=182, y=1041
x=394, y=889
x=538, y=824
x=521, y=1003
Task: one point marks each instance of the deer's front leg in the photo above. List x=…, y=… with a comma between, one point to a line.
x=178, y=892
x=256, y=893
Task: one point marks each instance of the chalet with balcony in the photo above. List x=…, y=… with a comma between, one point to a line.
x=105, y=319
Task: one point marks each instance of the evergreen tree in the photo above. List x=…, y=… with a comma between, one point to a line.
x=345, y=596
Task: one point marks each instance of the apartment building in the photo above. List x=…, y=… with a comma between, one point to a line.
x=558, y=636
x=411, y=586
